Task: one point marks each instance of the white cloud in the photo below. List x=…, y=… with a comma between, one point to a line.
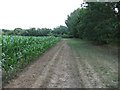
x=35, y=13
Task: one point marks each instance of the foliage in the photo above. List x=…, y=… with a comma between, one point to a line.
x=38, y=32
x=18, y=51
x=61, y=31
x=58, y=31
x=27, y=32
x=97, y=22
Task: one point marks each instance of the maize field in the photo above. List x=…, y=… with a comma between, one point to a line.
x=19, y=51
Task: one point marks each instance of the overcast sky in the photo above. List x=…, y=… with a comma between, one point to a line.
x=35, y=13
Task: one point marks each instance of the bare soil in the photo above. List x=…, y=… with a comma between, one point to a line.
x=59, y=67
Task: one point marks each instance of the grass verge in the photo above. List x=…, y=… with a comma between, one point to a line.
x=103, y=59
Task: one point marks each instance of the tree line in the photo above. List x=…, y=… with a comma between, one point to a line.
x=96, y=21
x=60, y=31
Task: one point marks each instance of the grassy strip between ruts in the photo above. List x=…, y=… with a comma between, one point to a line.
x=103, y=59
x=19, y=51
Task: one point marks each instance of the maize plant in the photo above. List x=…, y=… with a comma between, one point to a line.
x=18, y=51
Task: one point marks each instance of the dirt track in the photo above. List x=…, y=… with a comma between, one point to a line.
x=59, y=67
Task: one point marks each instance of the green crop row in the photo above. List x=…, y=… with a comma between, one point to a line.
x=19, y=51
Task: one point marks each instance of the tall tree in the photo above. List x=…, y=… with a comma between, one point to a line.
x=96, y=22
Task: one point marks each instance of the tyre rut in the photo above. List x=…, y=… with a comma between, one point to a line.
x=42, y=78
